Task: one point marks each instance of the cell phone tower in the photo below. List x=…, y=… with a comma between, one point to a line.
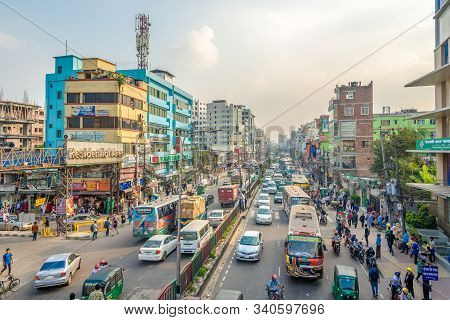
x=142, y=39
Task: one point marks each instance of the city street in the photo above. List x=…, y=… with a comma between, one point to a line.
x=119, y=249
x=250, y=277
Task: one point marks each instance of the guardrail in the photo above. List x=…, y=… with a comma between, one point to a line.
x=193, y=267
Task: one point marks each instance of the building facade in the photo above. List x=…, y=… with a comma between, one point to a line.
x=248, y=119
x=351, y=125
x=199, y=123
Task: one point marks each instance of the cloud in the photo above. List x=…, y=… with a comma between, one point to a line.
x=202, y=48
x=8, y=41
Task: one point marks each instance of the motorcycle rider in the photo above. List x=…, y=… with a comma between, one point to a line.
x=274, y=286
x=370, y=253
x=335, y=238
x=396, y=284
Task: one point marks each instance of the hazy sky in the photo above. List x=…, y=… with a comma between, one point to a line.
x=267, y=54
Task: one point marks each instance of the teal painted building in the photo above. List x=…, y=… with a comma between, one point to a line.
x=388, y=121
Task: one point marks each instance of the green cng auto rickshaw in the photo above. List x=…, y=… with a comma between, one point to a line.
x=345, y=283
x=323, y=192
x=110, y=280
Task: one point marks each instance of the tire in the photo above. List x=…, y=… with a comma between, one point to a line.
x=69, y=281
x=79, y=265
x=15, y=228
x=361, y=259
x=14, y=285
x=164, y=257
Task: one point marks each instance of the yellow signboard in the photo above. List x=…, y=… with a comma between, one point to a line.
x=39, y=202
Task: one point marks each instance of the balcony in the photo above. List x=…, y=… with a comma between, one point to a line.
x=159, y=120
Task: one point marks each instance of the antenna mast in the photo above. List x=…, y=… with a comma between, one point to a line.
x=142, y=40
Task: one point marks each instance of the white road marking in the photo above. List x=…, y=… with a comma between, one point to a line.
x=277, y=215
x=279, y=271
x=278, y=242
x=382, y=297
x=220, y=285
x=226, y=272
x=278, y=226
x=326, y=276
x=224, y=279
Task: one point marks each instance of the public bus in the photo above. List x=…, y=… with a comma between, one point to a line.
x=192, y=208
x=293, y=195
x=156, y=217
x=301, y=181
x=304, y=246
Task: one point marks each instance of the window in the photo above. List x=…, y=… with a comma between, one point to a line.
x=365, y=111
x=385, y=122
x=348, y=162
x=157, y=94
x=348, y=145
x=181, y=118
x=432, y=121
x=365, y=144
x=336, y=129
x=181, y=104
x=73, y=98
x=99, y=122
x=444, y=52
x=432, y=134
x=50, y=107
x=395, y=122
x=157, y=111
x=106, y=97
x=59, y=94
x=348, y=128
x=59, y=114
x=131, y=102
x=350, y=95
x=58, y=133
x=59, y=71
x=50, y=125
x=349, y=111
x=421, y=122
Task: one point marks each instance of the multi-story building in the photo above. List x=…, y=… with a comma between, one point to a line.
x=260, y=143
x=351, y=125
x=387, y=121
x=199, y=124
x=248, y=119
x=226, y=118
x=21, y=124
x=440, y=145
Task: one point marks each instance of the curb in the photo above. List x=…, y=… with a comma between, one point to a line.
x=16, y=235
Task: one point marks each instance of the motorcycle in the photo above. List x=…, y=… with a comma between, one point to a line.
x=371, y=261
x=275, y=295
x=337, y=247
x=397, y=291
x=357, y=253
x=323, y=219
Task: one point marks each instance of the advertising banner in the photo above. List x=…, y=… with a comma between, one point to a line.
x=91, y=184
x=83, y=111
x=80, y=153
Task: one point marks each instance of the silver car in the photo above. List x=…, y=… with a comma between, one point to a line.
x=263, y=200
x=57, y=270
x=216, y=217
x=13, y=224
x=250, y=246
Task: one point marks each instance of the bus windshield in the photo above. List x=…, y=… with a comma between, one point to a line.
x=188, y=235
x=305, y=249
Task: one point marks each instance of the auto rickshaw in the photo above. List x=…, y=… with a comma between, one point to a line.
x=323, y=192
x=345, y=283
x=111, y=282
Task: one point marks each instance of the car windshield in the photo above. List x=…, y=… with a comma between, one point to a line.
x=215, y=214
x=279, y=194
x=53, y=265
x=263, y=211
x=263, y=197
x=152, y=244
x=249, y=241
x=347, y=283
x=188, y=235
x=272, y=185
x=302, y=249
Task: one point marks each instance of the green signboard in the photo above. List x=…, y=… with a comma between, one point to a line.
x=433, y=144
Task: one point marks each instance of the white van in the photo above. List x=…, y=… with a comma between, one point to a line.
x=194, y=235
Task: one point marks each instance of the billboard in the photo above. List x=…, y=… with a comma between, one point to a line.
x=324, y=124
x=81, y=153
x=83, y=111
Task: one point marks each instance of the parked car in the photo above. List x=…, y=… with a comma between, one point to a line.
x=157, y=248
x=264, y=215
x=209, y=199
x=13, y=224
x=57, y=270
x=216, y=217
x=250, y=246
x=278, y=198
x=263, y=200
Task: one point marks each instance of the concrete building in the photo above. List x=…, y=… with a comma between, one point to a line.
x=248, y=119
x=351, y=125
x=21, y=124
x=199, y=123
x=440, y=145
x=392, y=121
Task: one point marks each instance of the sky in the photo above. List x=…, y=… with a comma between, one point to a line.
x=266, y=54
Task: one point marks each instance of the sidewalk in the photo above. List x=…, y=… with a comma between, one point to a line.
x=389, y=264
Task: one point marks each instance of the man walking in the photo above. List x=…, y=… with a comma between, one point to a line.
x=107, y=226
x=94, y=230
x=419, y=268
x=362, y=219
x=405, y=242
x=366, y=234
x=415, y=251
x=426, y=287
x=355, y=218
x=35, y=230
x=390, y=239
x=7, y=261
x=374, y=279
x=409, y=281
x=378, y=246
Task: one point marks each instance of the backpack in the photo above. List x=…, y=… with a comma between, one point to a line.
x=373, y=275
x=92, y=228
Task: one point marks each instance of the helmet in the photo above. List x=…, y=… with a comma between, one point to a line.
x=409, y=269
x=97, y=266
x=103, y=262
x=274, y=277
x=405, y=290
x=397, y=274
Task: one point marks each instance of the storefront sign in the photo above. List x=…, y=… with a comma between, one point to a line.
x=80, y=153
x=126, y=185
x=102, y=113
x=433, y=144
x=83, y=111
x=168, y=158
x=86, y=135
x=91, y=184
x=39, y=202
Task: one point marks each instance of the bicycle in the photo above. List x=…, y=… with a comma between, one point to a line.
x=11, y=284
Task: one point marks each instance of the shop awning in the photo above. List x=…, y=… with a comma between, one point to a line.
x=438, y=113
x=433, y=78
x=440, y=190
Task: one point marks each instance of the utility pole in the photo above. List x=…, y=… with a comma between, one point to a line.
x=383, y=154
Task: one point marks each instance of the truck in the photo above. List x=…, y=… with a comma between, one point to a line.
x=228, y=195
x=192, y=208
x=236, y=179
x=304, y=246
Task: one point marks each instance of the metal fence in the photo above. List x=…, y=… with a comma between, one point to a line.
x=193, y=267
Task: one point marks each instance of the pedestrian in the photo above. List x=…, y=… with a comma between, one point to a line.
x=7, y=261
x=390, y=239
x=432, y=250
x=420, y=268
x=35, y=230
x=122, y=220
x=47, y=222
x=107, y=226
x=378, y=246
x=409, y=281
x=94, y=230
x=374, y=279
x=415, y=250
x=369, y=219
x=115, y=224
x=130, y=217
x=366, y=234
x=426, y=287
x=405, y=241
x=350, y=218
x=362, y=219
x=97, y=294
x=355, y=218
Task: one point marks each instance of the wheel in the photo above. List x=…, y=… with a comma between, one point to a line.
x=15, y=228
x=361, y=259
x=14, y=285
x=164, y=257
x=79, y=265
x=69, y=281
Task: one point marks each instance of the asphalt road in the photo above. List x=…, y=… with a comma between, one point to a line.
x=119, y=249
x=250, y=277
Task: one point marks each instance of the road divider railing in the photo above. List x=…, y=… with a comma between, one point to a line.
x=189, y=272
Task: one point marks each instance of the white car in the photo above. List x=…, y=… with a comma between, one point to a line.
x=264, y=215
x=272, y=188
x=263, y=200
x=57, y=270
x=216, y=217
x=157, y=248
x=250, y=246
